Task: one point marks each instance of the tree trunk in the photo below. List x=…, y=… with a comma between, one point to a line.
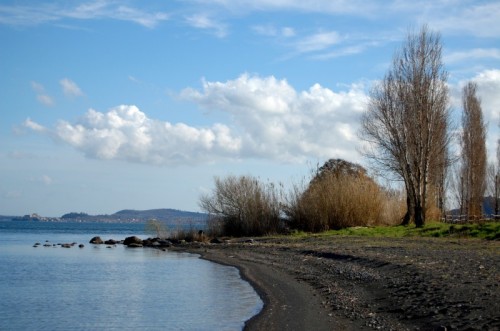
x=409, y=215
x=419, y=216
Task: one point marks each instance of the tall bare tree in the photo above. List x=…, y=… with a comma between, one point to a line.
x=494, y=181
x=493, y=185
x=406, y=125
x=473, y=157
x=497, y=182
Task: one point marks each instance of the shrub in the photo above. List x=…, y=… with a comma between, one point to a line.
x=242, y=206
x=340, y=195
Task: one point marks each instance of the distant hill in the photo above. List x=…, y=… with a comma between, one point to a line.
x=172, y=217
x=160, y=215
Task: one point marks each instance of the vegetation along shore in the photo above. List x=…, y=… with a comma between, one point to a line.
x=439, y=277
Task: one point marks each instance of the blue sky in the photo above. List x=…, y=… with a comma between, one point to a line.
x=107, y=105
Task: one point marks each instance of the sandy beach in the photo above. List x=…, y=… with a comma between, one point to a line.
x=357, y=283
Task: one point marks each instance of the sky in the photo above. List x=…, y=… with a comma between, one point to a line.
x=108, y=105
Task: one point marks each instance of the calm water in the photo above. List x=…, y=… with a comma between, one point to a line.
x=90, y=288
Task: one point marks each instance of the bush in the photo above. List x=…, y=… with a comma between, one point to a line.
x=340, y=195
x=242, y=206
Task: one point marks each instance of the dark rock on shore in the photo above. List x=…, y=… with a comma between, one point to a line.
x=96, y=241
x=110, y=242
x=133, y=240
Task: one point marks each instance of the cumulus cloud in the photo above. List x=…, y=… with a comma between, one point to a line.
x=278, y=122
x=269, y=120
x=126, y=133
x=70, y=88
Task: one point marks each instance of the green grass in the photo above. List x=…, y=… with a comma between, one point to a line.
x=490, y=231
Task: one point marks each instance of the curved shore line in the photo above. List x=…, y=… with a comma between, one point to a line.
x=289, y=304
x=366, y=283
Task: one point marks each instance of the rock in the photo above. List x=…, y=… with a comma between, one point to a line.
x=81, y=245
x=66, y=245
x=165, y=243
x=96, y=241
x=110, y=242
x=132, y=240
x=134, y=245
x=216, y=241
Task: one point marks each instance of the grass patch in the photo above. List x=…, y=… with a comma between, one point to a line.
x=489, y=231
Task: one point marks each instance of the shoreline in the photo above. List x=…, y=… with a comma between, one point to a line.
x=359, y=283
x=288, y=304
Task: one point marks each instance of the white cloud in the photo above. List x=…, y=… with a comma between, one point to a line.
x=270, y=30
x=488, y=87
x=41, y=13
x=342, y=51
x=479, y=19
x=358, y=7
x=45, y=100
x=34, y=126
x=269, y=120
x=318, y=41
x=203, y=21
x=278, y=122
x=70, y=88
x=287, y=32
x=473, y=54
x=41, y=95
x=126, y=133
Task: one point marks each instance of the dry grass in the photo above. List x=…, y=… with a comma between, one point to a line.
x=335, y=202
x=242, y=206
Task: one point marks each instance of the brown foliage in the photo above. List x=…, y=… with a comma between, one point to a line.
x=340, y=195
x=242, y=206
x=473, y=174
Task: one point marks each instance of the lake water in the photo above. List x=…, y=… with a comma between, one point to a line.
x=118, y=288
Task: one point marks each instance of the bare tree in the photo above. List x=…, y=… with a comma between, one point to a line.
x=494, y=181
x=406, y=126
x=473, y=156
x=497, y=181
x=493, y=185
